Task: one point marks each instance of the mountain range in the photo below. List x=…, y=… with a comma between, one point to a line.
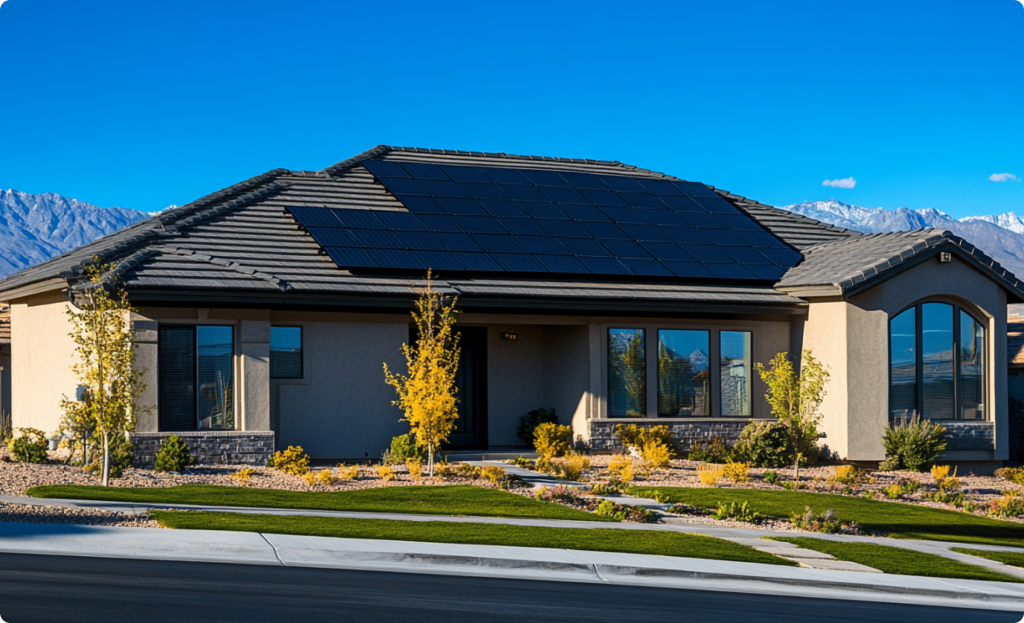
x=34, y=228
x=1000, y=236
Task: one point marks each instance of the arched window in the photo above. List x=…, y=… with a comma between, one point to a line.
x=936, y=363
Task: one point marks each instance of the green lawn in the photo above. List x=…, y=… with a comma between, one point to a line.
x=658, y=542
x=1015, y=559
x=897, y=520
x=418, y=499
x=900, y=561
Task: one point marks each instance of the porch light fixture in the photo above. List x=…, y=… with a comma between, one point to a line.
x=512, y=337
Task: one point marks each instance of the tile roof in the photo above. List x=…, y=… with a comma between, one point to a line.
x=1015, y=342
x=853, y=264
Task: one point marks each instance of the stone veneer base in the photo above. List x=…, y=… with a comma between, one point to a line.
x=602, y=432
x=216, y=447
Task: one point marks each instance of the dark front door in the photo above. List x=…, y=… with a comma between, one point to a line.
x=471, y=428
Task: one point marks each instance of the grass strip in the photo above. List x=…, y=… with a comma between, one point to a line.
x=899, y=561
x=662, y=543
x=901, y=521
x=416, y=499
x=1015, y=559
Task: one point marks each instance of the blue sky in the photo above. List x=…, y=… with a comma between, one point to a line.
x=146, y=104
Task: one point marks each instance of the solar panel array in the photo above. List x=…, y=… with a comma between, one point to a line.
x=502, y=220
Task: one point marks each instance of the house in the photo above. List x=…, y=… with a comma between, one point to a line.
x=5, y=361
x=265, y=311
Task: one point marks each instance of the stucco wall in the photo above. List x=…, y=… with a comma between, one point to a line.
x=515, y=379
x=852, y=337
x=567, y=374
x=44, y=351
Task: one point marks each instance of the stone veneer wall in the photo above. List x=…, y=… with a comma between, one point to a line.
x=602, y=432
x=208, y=446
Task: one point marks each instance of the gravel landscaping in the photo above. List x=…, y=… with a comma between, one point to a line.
x=78, y=516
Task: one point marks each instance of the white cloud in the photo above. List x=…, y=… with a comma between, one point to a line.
x=847, y=183
x=1003, y=177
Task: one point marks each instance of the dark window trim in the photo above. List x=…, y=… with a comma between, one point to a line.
x=194, y=327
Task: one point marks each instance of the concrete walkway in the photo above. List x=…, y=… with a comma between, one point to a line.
x=504, y=562
x=752, y=537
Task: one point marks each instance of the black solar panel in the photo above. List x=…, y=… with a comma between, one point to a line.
x=491, y=219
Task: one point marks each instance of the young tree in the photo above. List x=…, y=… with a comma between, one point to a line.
x=427, y=393
x=795, y=401
x=105, y=344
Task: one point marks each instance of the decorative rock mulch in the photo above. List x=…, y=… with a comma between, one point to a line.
x=77, y=516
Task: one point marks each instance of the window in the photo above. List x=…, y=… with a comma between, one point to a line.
x=627, y=371
x=735, y=372
x=684, y=379
x=936, y=363
x=286, y=352
x=196, y=373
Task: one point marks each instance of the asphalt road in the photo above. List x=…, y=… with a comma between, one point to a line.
x=44, y=589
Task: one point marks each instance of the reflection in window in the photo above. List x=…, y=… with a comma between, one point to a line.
x=683, y=374
x=903, y=363
x=626, y=370
x=213, y=376
x=937, y=363
x=972, y=358
x=286, y=352
x=735, y=371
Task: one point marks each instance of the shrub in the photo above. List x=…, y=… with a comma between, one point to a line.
x=1011, y=474
x=710, y=474
x=492, y=474
x=30, y=446
x=415, y=467
x=913, y=443
x=243, y=475
x=173, y=456
x=121, y=457
x=656, y=454
x=323, y=477
x=772, y=478
x=736, y=472
x=1010, y=505
x=622, y=512
x=633, y=436
x=739, y=512
x=622, y=466
x=467, y=471
x=529, y=423
x=571, y=467
x=790, y=485
x=522, y=461
x=402, y=448
x=385, y=472
x=292, y=461
x=941, y=472
x=552, y=440
x=795, y=400
x=572, y=496
x=844, y=475
x=445, y=470
x=348, y=472
x=901, y=488
x=716, y=450
x=614, y=487
x=765, y=444
x=826, y=522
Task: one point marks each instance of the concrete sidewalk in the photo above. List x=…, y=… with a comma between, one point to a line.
x=500, y=561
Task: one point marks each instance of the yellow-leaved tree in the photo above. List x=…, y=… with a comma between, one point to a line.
x=426, y=394
x=795, y=400
x=105, y=343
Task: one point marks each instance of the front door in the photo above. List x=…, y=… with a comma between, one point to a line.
x=471, y=428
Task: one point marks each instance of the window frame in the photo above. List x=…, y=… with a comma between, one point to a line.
x=986, y=371
x=194, y=326
x=302, y=353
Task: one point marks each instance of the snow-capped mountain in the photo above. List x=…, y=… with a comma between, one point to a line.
x=1000, y=236
x=34, y=228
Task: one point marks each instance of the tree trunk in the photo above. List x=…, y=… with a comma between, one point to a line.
x=85, y=450
x=796, y=469
x=430, y=460
x=106, y=459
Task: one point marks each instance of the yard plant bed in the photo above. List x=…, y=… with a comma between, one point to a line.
x=662, y=543
x=899, y=561
x=1014, y=559
x=902, y=521
x=416, y=499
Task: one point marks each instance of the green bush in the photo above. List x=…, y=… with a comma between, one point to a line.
x=913, y=443
x=402, y=448
x=173, y=456
x=529, y=422
x=30, y=446
x=739, y=512
x=716, y=450
x=765, y=444
x=827, y=522
x=622, y=512
x=772, y=478
x=121, y=456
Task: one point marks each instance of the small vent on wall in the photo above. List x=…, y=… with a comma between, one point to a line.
x=945, y=257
